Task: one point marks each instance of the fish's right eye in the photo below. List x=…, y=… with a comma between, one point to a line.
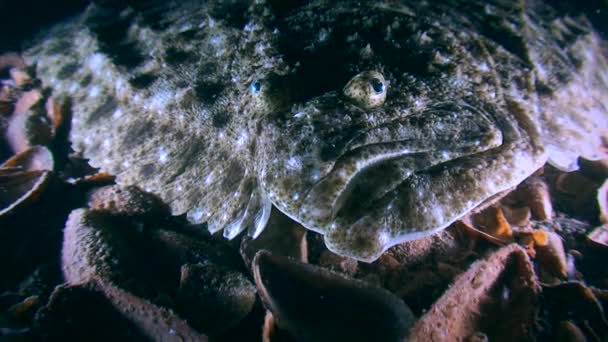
x=366, y=90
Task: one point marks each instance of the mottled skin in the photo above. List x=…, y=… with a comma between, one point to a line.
x=371, y=123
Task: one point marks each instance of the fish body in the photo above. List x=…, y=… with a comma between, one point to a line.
x=370, y=122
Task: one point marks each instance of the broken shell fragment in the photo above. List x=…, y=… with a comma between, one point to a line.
x=29, y=126
x=339, y=263
x=26, y=101
x=489, y=224
x=155, y=322
x=517, y=216
x=99, y=250
x=179, y=248
x=21, y=77
x=577, y=193
x=576, y=302
x=98, y=246
x=540, y=238
x=594, y=168
x=599, y=236
x=95, y=249
x=76, y=310
x=492, y=221
x=11, y=60
x=23, y=178
x=78, y=172
x=58, y=112
x=446, y=244
x=602, y=201
x=552, y=257
x=535, y=193
x=282, y=236
x=129, y=201
x=269, y=328
x=272, y=333
x=567, y=331
x=496, y=296
x=37, y=158
x=214, y=298
x=530, y=240
x=8, y=97
x=478, y=337
x=315, y=304
x=18, y=314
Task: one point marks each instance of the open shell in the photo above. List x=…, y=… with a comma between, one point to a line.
x=496, y=296
x=314, y=304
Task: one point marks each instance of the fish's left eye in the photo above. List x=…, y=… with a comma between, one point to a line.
x=255, y=87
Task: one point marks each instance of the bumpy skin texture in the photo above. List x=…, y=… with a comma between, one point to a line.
x=372, y=123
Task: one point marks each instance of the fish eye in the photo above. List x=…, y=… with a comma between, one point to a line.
x=255, y=87
x=366, y=90
x=377, y=85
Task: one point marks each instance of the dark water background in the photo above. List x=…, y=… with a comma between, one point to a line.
x=21, y=20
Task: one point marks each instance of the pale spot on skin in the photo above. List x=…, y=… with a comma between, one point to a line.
x=119, y=85
x=73, y=87
x=209, y=179
x=163, y=156
x=242, y=139
x=197, y=215
x=159, y=102
x=491, y=186
x=438, y=214
x=249, y=27
x=315, y=175
x=95, y=62
x=294, y=163
x=384, y=238
x=94, y=91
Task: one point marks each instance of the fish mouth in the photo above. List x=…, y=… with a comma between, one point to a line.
x=378, y=160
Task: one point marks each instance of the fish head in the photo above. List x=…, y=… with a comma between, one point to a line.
x=358, y=153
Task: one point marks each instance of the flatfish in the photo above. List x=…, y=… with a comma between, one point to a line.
x=369, y=122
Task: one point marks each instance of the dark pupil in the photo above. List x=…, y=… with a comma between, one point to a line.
x=255, y=87
x=377, y=85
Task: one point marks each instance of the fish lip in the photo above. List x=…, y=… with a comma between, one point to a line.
x=385, y=142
